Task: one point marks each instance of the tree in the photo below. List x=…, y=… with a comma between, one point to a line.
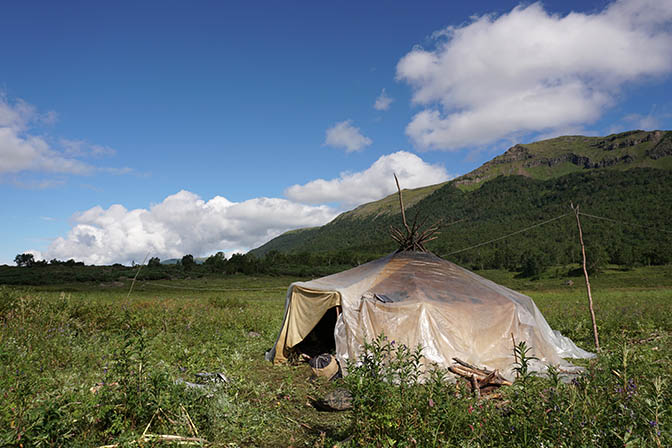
x=154, y=262
x=188, y=262
x=534, y=264
x=26, y=260
x=245, y=264
x=596, y=258
x=216, y=262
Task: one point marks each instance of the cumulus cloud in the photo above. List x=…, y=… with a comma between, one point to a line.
x=371, y=184
x=22, y=150
x=532, y=71
x=182, y=224
x=345, y=135
x=383, y=101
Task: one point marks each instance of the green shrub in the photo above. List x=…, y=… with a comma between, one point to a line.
x=613, y=403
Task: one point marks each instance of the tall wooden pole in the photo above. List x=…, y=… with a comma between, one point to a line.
x=401, y=204
x=585, y=273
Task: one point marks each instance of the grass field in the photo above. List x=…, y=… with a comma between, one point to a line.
x=85, y=365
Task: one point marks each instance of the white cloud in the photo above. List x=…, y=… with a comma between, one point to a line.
x=383, y=101
x=374, y=183
x=29, y=183
x=647, y=122
x=22, y=150
x=32, y=153
x=117, y=171
x=530, y=71
x=37, y=255
x=17, y=115
x=345, y=135
x=183, y=223
x=80, y=148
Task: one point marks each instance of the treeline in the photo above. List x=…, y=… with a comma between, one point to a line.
x=305, y=264
x=300, y=264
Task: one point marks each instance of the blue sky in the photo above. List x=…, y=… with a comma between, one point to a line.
x=168, y=128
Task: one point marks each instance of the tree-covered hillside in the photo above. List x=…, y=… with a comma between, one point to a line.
x=506, y=204
x=623, y=176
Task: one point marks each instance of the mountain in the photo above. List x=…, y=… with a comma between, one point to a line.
x=622, y=176
x=556, y=157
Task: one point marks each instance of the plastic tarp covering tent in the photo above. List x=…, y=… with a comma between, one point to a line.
x=420, y=299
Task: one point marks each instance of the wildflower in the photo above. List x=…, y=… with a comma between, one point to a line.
x=470, y=409
x=631, y=387
x=653, y=423
x=471, y=426
x=431, y=403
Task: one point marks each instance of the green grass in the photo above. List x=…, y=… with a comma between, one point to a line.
x=611, y=277
x=56, y=343
x=544, y=172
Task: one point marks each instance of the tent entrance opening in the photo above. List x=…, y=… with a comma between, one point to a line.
x=321, y=338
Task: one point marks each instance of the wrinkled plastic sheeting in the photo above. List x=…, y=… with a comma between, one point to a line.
x=418, y=299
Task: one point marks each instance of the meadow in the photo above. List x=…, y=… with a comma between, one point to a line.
x=87, y=364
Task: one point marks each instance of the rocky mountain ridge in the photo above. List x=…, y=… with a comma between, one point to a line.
x=543, y=169
x=573, y=153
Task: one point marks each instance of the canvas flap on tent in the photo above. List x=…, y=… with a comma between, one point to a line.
x=305, y=308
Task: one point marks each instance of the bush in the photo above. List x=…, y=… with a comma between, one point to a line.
x=533, y=265
x=610, y=404
x=387, y=398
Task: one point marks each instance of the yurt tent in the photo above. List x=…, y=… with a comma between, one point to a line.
x=417, y=298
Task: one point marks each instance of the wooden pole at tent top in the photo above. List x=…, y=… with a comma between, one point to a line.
x=401, y=204
x=585, y=273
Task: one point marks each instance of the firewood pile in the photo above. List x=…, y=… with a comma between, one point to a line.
x=481, y=381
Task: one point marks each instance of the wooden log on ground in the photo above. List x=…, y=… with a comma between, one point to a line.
x=481, y=381
x=470, y=366
x=475, y=388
